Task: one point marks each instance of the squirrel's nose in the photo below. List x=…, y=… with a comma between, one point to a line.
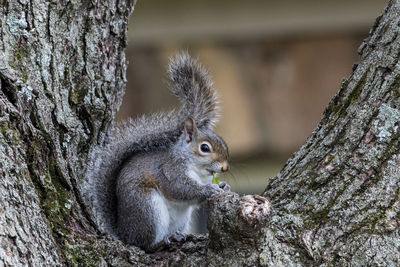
x=225, y=167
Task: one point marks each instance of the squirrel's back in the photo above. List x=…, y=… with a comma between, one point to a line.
x=191, y=83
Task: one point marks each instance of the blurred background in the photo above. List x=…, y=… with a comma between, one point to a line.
x=275, y=64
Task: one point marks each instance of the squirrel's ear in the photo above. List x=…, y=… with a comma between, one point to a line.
x=190, y=129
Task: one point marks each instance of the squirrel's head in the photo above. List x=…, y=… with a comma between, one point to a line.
x=207, y=149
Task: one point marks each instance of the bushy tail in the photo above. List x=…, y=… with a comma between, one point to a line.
x=191, y=83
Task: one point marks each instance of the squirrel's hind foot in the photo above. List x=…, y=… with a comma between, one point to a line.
x=178, y=236
x=168, y=242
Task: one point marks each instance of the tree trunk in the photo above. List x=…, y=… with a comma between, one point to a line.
x=62, y=72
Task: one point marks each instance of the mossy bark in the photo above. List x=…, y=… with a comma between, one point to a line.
x=62, y=73
x=62, y=77
x=337, y=199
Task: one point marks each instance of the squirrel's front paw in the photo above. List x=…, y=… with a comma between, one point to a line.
x=224, y=186
x=213, y=189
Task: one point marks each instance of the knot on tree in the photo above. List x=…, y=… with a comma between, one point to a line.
x=234, y=219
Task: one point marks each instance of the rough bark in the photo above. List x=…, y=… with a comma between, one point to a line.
x=62, y=72
x=337, y=199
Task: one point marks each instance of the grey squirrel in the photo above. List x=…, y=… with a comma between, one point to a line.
x=143, y=186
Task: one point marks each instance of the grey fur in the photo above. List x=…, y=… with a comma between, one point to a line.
x=137, y=145
x=192, y=84
x=136, y=216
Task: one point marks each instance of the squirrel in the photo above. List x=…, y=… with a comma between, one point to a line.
x=143, y=186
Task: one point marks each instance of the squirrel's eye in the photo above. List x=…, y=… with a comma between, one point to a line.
x=205, y=148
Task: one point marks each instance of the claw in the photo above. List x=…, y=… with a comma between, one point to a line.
x=223, y=185
x=167, y=240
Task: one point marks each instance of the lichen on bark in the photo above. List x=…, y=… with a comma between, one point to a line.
x=48, y=49
x=342, y=184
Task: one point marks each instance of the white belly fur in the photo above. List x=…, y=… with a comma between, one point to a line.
x=170, y=216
